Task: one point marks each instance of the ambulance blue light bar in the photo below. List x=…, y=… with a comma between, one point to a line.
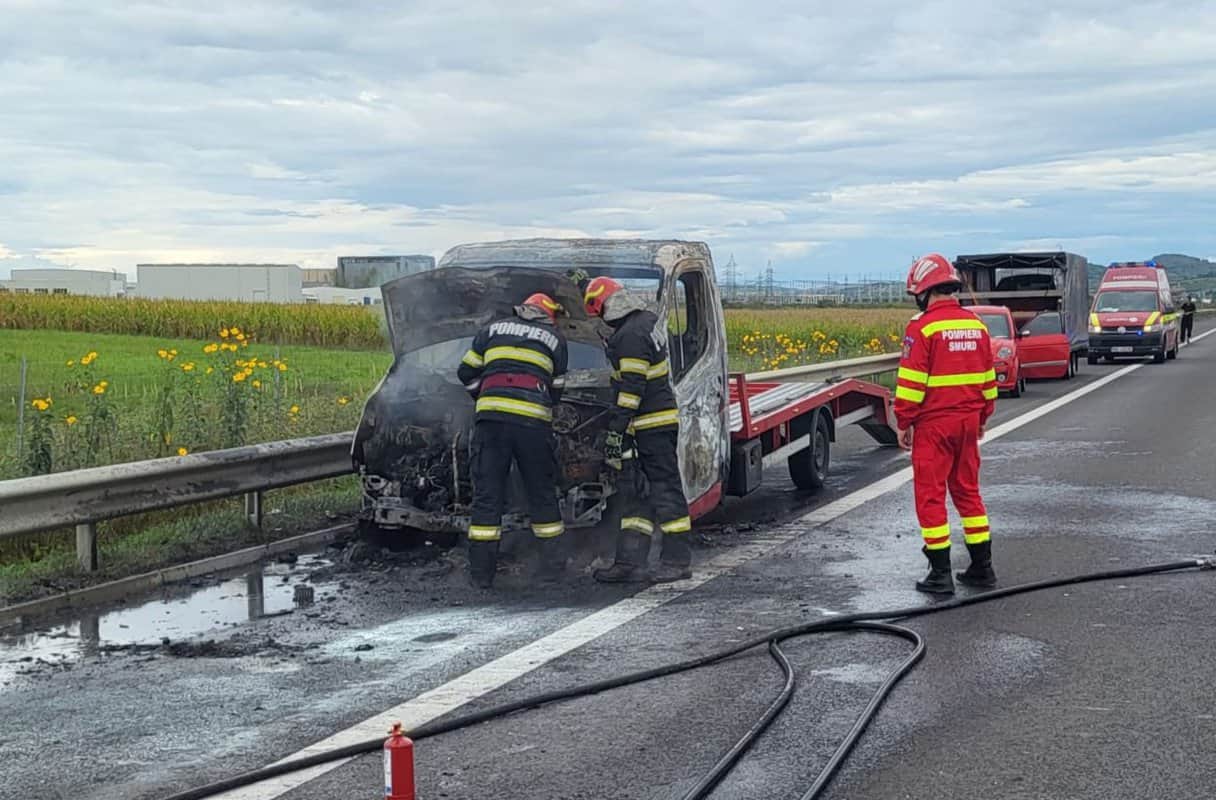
x=1124, y=264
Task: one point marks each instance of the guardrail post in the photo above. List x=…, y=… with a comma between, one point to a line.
x=253, y=508
x=86, y=546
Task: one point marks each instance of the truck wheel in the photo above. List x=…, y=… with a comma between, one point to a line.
x=809, y=467
x=1173, y=353
x=1019, y=386
x=1159, y=356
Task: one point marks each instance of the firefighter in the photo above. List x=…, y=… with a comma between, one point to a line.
x=510, y=370
x=1188, y=318
x=945, y=393
x=641, y=439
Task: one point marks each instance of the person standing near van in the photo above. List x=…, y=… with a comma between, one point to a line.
x=1188, y=319
x=945, y=393
x=510, y=369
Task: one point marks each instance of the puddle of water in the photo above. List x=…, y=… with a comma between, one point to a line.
x=265, y=591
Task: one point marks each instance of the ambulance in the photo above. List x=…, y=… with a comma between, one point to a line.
x=1133, y=314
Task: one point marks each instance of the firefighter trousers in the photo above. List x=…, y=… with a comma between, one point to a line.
x=946, y=456
x=494, y=447
x=652, y=493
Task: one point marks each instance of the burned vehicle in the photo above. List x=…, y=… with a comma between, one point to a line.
x=411, y=446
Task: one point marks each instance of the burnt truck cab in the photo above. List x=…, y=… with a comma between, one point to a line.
x=411, y=448
x=1133, y=314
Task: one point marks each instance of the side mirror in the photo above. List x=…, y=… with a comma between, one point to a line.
x=1022, y=334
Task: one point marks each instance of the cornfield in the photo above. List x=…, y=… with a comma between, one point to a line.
x=761, y=339
x=350, y=327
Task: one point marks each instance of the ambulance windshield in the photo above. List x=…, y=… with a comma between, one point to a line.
x=1126, y=301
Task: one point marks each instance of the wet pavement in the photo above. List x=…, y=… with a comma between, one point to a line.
x=1088, y=693
x=183, y=614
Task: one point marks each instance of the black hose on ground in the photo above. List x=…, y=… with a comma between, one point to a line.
x=864, y=621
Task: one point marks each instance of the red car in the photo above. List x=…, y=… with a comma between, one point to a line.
x=1043, y=347
x=1005, y=349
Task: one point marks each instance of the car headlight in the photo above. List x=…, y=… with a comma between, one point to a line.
x=1005, y=352
x=1095, y=328
x=1150, y=328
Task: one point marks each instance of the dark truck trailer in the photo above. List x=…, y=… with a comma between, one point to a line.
x=1029, y=284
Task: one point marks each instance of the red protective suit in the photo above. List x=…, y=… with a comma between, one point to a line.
x=946, y=391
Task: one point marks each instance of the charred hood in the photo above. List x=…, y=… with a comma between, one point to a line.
x=454, y=302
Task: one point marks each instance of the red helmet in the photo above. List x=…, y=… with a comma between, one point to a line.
x=932, y=271
x=544, y=302
x=597, y=292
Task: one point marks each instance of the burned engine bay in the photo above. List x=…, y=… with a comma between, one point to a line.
x=411, y=448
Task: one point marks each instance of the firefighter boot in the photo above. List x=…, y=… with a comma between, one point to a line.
x=483, y=561
x=980, y=572
x=632, y=549
x=552, y=559
x=939, y=580
x=676, y=560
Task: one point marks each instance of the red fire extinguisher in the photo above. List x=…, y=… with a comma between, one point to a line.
x=398, y=766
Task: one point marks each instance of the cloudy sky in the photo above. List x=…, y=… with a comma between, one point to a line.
x=827, y=137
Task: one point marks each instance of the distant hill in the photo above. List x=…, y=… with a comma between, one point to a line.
x=1186, y=266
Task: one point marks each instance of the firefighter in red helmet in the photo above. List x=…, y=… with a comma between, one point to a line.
x=510, y=370
x=946, y=392
x=642, y=437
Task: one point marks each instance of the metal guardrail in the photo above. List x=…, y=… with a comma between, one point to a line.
x=82, y=498
x=828, y=370
x=85, y=497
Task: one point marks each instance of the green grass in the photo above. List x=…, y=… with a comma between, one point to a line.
x=47, y=563
x=316, y=381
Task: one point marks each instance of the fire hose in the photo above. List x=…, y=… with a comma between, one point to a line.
x=863, y=622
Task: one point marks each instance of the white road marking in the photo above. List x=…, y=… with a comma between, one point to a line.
x=452, y=695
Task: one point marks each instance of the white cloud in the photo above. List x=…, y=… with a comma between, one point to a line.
x=269, y=130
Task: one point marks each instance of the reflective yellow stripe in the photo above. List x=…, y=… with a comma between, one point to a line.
x=640, y=524
x=952, y=325
x=659, y=370
x=547, y=530
x=473, y=359
x=975, y=522
x=655, y=420
x=638, y=365
x=1093, y=320
x=992, y=394
x=681, y=525
x=484, y=533
x=911, y=395
x=962, y=378
x=940, y=532
x=520, y=354
x=913, y=375
x=1152, y=318
x=509, y=406
x=977, y=538
x=627, y=400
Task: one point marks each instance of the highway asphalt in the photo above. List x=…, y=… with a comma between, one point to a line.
x=1099, y=691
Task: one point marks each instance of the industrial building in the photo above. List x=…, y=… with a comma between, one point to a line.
x=100, y=283
x=259, y=283
x=370, y=272
x=329, y=295
x=323, y=276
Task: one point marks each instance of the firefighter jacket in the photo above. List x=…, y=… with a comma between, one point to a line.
x=641, y=375
x=510, y=368
x=946, y=368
